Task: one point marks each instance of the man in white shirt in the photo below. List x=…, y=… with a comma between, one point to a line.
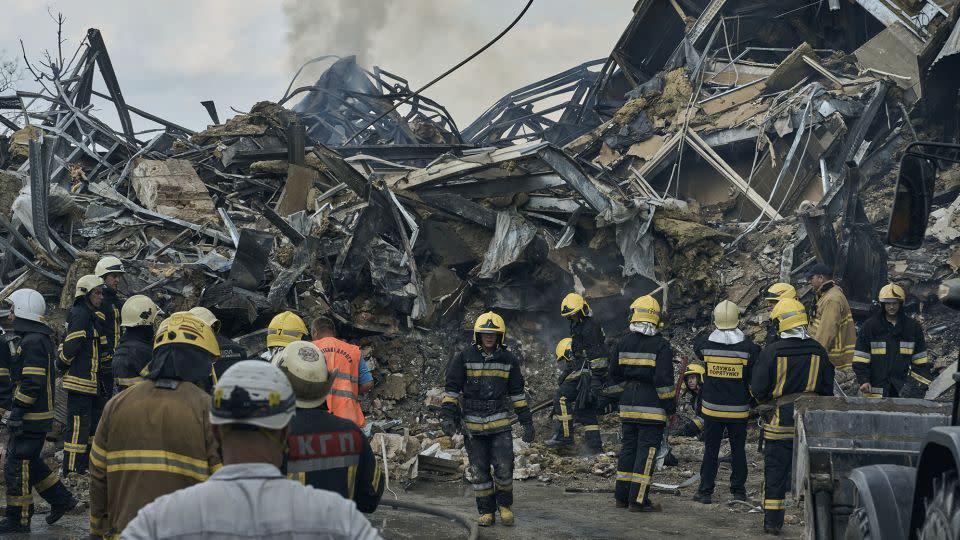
x=253, y=404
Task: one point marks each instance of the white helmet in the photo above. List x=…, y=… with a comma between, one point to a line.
x=86, y=284
x=138, y=310
x=255, y=393
x=206, y=316
x=29, y=304
x=109, y=265
x=306, y=368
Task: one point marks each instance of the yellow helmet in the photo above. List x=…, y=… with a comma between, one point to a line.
x=284, y=329
x=694, y=369
x=187, y=328
x=489, y=322
x=779, y=291
x=109, y=265
x=892, y=293
x=206, y=316
x=645, y=309
x=726, y=316
x=789, y=313
x=138, y=310
x=86, y=284
x=564, y=346
x=306, y=368
x=572, y=304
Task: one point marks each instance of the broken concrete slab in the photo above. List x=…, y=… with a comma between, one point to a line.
x=172, y=187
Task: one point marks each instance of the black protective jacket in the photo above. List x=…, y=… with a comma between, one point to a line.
x=886, y=355
x=80, y=352
x=231, y=352
x=109, y=325
x=331, y=453
x=9, y=371
x=33, y=397
x=725, y=396
x=785, y=370
x=641, y=371
x=132, y=356
x=589, y=346
x=487, y=388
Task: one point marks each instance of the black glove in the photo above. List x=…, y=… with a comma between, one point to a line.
x=449, y=427
x=528, y=433
x=15, y=422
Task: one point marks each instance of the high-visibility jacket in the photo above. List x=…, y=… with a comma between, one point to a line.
x=344, y=397
x=641, y=368
x=487, y=388
x=132, y=356
x=833, y=326
x=153, y=439
x=887, y=354
x=725, y=396
x=35, y=385
x=785, y=370
x=80, y=353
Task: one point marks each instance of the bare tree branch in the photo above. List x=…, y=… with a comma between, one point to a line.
x=10, y=72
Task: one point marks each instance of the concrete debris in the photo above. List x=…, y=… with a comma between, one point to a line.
x=687, y=163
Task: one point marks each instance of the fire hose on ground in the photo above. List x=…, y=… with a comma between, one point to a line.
x=469, y=524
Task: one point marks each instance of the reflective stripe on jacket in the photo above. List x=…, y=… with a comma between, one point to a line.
x=344, y=397
x=726, y=384
x=833, y=326
x=153, y=439
x=886, y=355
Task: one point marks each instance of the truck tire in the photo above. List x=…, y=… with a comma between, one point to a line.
x=942, y=510
x=858, y=527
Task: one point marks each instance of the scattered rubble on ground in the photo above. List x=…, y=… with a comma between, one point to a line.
x=703, y=164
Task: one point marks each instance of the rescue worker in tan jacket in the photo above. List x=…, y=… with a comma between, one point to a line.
x=156, y=437
x=833, y=325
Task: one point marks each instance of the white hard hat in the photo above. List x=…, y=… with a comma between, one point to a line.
x=306, y=368
x=109, y=265
x=255, y=393
x=29, y=304
x=138, y=310
x=86, y=284
x=206, y=316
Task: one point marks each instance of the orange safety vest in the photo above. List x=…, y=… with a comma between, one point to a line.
x=344, y=397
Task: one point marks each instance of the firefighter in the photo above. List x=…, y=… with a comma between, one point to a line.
x=326, y=451
x=891, y=348
x=110, y=270
x=231, y=352
x=352, y=376
x=155, y=438
x=833, y=325
x=578, y=396
x=794, y=365
x=80, y=362
x=484, y=386
x=641, y=368
x=250, y=497
x=135, y=349
x=8, y=355
x=774, y=294
x=729, y=357
x=31, y=418
x=689, y=408
x=284, y=329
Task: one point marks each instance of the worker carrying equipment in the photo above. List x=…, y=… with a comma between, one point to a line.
x=31, y=418
x=794, y=365
x=231, y=352
x=110, y=269
x=641, y=369
x=729, y=358
x=890, y=359
x=326, y=452
x=578, y=396
x=284, y=329
x=80, y=360
x=253, y=404
x=483, y=388
x=155, y=437
x=135, y=349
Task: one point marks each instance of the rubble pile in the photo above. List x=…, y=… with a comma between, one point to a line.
x=722, y=146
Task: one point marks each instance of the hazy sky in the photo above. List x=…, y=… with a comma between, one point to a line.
x=169, y=56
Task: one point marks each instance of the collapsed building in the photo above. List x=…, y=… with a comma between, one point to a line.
x=722, y=146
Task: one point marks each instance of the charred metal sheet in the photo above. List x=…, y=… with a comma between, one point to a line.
x=578, y=180
x=496, y=187
x=466, y=209
x=305, y=254
x=512, y=236
x=340, y=171
x=250, y=260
